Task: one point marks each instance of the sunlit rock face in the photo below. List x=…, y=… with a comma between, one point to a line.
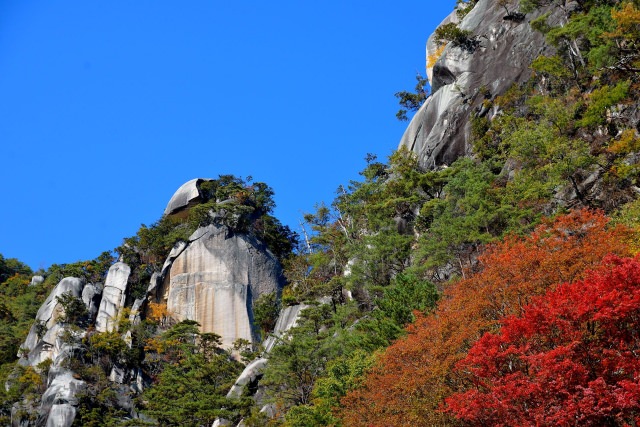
x=43, y=342
x=463, y=79
x=216, y=280
x=113, y=297
x=46, y=342
x=186, y=196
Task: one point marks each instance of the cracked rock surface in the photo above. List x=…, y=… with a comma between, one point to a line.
x=462, y=79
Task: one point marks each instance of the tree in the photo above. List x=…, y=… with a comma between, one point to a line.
x=570, y=359
x=456, y=36
x=191, y=387
x=299, y=359
x=413, y=376
x=74, y=309
x=412, y=101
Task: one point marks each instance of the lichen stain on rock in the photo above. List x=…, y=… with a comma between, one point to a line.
x=215, y=280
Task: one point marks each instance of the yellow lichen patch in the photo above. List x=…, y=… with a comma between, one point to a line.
x=432, y=58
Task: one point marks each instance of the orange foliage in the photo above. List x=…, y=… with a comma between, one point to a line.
x=412, y=378
x=158, y=312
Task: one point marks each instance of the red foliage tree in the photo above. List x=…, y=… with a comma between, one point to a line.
x=411, y=379
x=572, y=358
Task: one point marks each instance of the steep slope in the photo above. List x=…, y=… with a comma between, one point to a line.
x=214, y=277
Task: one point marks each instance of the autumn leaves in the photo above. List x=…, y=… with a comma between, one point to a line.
x=491, y=351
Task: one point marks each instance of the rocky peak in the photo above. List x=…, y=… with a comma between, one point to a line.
x=463, y=77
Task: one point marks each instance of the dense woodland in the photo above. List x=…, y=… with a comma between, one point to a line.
x=503, y=289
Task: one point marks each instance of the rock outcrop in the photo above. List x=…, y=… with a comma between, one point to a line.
x=113, y=297
x=464, y=77
x=46, y=342
x=43, y=343
x=186, y=196
x=216, y=279
x=53, y=340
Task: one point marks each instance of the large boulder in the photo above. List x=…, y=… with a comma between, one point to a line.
x=113, y=297
x=463, y=78
x=186, y=196
x=216, y=279
x=59, y=400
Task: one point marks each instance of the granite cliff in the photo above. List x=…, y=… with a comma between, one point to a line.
x=463, y=78
x=214, y=278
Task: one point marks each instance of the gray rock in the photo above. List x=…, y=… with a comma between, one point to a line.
x=117, y=375
x=250, y=374
x=61, y=415
x=59, y=399
x=216, y=279
x=186, y=196
x=113, y=297
x=48, y=315
x=462, y=79
x=270, y=410
x=91, y=295
x=157, y=283
x=286, y=320
x=36, y=280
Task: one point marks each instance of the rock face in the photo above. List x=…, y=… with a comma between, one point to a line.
x=216, y=279
x=287, y=319
x=36, y=280
x=42, y=341
x=113, y=297
x=187, y=195
x=60, y=397
x=46, y=342
x=462, y=79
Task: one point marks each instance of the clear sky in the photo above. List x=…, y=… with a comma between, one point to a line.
x=107, y=107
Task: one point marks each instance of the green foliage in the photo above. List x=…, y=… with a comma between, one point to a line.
x=601, y=100
x=470, y=214
x=407, y=294
x=451, y=33
x=297, y=362
x=265, y=312
x=74, y=309
x=105, y=348
x=98, y=403
x=92, y=271
x=412, y=101
x=11, y=266
x=191, y=388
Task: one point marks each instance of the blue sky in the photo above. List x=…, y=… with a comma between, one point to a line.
x=106, y=108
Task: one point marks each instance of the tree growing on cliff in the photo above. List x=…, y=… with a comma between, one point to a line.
x=412, y=101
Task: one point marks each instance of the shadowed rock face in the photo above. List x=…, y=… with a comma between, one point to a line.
x=216, y=280
x=462, y=79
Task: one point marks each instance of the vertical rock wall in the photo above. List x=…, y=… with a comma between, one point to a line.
x=216, y=280
x=113, y=297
